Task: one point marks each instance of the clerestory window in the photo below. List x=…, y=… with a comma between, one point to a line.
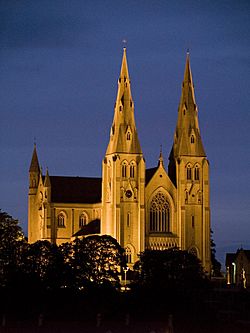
x=83, y=219
x=61, y=220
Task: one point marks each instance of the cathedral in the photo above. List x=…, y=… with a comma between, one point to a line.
x=157, y=208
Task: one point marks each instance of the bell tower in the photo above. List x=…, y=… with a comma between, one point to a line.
x=189, y=171
x=123, y=175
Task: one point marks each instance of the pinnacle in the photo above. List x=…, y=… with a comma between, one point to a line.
x=124, y=68
x=34, y=165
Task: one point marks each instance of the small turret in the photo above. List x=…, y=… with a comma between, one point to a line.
x=47, y=186
x=34, y=170
x=47, y=179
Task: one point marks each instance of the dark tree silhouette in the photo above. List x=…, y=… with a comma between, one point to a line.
x=12, y=241
x=216, y=265
x=171, y=269
x=43, y=264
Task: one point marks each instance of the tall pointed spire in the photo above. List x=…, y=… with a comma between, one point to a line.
x=187, y=139
x=34, y=165
x=123, y=135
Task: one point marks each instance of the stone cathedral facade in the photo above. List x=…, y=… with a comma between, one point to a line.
x=157, y=208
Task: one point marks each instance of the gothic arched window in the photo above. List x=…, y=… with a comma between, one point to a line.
x=159, y=214
x=128, y=254
x=61, y=220
x=83, y=219
x=132, y=171
x=196, y=173
x=124, y=169
x=189, y=172
x=192, y=139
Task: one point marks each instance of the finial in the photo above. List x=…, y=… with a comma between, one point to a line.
x=160, y=157
x=34, y=141
x=188, y=51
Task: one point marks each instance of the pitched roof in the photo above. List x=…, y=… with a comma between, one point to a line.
x=75, y=189
x=150, y=173
x=91, y=228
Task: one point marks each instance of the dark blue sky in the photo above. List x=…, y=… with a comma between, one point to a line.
x=59, y=65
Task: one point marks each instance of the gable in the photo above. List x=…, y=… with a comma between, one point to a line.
x=160, y=179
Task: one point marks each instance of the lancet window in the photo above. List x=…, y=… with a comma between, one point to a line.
x=159, y=214
x=83, y=220
x=61, y=220
x=128, y=253
x=196, y=173
x=132, y=171
x=189, y=172
x=124, y=170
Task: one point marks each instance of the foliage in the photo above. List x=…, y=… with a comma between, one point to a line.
x=42, y=264
x=171, y=269
x=95, y=260
x=12, y=241
x=216, y=265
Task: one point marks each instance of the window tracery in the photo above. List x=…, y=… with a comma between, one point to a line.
x=159, y=214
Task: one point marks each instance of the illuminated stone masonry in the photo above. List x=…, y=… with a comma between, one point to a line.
x=155, y=208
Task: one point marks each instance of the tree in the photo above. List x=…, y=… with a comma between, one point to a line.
x=12, y=241
x=94, y=260
x=216, y=265
x=43, y=265
x=170, y=269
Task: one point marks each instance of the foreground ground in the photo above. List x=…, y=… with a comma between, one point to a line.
x=220, y=310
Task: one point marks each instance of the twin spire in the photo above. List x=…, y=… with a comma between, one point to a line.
x=123, y=134
x=187, y=139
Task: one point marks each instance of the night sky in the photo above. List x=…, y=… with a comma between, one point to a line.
x=59, y=65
